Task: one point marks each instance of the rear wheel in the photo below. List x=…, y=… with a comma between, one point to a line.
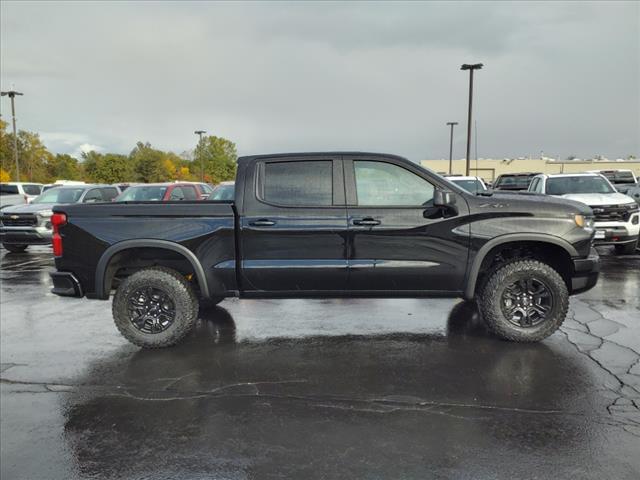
x=155, y=307
x=15, y=248
x=627, y=248
x=524, y=301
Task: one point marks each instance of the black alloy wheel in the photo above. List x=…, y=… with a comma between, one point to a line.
x=527, y=302
x=151, y=310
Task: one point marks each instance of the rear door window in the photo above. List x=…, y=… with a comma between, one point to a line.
x=32, y=189
x=93, y=196
x=190, y=193
x=176, y=194
x=109, y=193
x=299, y=183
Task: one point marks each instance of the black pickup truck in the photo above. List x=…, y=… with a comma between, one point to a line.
x=328, y=225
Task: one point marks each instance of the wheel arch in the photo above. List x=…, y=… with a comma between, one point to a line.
x=104, y=271
x=490, y=248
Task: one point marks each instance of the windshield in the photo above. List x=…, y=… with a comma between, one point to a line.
x=515, y=182
x=142, y=193
x=60, y=195
x=619, y=177
x=223, y=192
x=565, y=185
x=472, y=186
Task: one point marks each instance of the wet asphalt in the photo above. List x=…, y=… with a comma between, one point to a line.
x=308, y=389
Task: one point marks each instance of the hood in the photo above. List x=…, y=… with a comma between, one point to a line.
x=27, y=208
x=597, y=199
x=526, y=202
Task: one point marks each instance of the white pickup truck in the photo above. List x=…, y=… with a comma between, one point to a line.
x=617, y=216
x=18, y=193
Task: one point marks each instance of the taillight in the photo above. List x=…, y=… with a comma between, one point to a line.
x=57, y=220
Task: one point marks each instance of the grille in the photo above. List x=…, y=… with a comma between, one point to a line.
x=18, y=220
x=610, y=213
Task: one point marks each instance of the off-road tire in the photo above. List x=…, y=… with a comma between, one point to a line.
x=15, y=248
x=176, y=287
x=627, y=248
x=490, y=297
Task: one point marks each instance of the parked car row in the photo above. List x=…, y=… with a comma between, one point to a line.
x=28, y=220
x=613, y=195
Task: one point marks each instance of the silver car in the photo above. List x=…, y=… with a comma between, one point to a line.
x=24, y=225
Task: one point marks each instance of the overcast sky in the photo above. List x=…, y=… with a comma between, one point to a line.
x=562, y=78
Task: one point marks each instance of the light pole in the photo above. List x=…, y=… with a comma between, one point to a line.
x=200, y=133
x=452, y=124
x=471, y=68
x=12, y=95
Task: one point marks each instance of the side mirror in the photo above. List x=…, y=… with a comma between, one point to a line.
x=443, y=198
x=204, y=196
x=443, y=205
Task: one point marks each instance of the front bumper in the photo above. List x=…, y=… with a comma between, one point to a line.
x=585, y=272
x=25, y=235
x=618, y=233
x=66, y=284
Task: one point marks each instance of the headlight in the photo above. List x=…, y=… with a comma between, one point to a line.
x=45, y=213
x=583, y=221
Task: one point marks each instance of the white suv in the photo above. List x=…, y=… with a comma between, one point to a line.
x=17, y=193
x=617, y=218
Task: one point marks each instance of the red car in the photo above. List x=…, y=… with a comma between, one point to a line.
x=161, y=192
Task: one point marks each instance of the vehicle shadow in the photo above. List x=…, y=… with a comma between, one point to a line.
x=329, y=407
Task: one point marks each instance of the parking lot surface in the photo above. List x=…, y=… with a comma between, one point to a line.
x=318, y=389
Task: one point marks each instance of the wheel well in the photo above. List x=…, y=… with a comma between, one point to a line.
x=549, y=253
x=129, y=261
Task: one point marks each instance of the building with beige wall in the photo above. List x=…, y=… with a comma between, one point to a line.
x=489, y=168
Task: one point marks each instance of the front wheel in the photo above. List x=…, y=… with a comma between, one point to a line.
x=524, y=301
x=155, y=307
x=15, y=248
x=627, y=248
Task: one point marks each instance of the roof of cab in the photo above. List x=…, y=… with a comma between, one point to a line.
x=249, y=158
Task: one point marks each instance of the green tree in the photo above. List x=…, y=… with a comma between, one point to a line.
x=32, y=155
x=63, y=167
x=219, y=156
x=107, y=168
x=148, y=163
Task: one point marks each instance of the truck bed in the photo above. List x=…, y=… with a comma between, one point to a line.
x=94, y=234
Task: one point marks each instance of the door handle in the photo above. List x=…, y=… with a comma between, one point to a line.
x=367, y=222
x=263, y=222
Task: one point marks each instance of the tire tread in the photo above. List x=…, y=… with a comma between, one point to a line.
x=184, y=324
x=489, y=304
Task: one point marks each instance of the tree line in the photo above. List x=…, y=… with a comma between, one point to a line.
x=217, y=156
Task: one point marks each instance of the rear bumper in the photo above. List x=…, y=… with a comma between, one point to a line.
x=585, y=272
x=66, y=284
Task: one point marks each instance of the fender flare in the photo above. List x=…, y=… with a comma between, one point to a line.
x=108, y=254
x=474, y=271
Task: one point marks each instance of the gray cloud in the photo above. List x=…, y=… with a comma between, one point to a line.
x=563, y=78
